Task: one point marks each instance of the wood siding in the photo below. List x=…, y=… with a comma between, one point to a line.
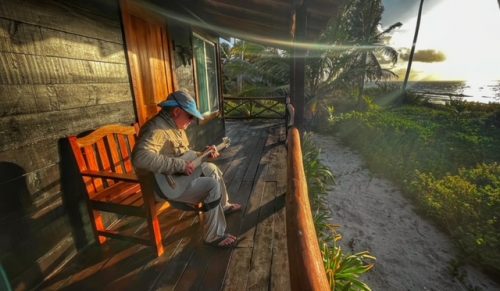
x=63, y=71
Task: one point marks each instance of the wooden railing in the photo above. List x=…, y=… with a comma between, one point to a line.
x=307, y=271
x=254, y=107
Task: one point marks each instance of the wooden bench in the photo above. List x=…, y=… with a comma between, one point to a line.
x=104, y=162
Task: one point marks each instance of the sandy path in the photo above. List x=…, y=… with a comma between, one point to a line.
x=411, y=253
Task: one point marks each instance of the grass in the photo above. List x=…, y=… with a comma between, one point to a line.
x=446, y=159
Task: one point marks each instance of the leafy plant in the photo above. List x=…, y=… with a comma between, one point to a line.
x=319, y=178
x=467, y=205
x=251, y=69
x=343, y=271
x=352, y=51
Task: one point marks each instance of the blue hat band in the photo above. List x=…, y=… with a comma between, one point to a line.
x=190, y=107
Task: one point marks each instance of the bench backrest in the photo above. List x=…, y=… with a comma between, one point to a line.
x=107, y=149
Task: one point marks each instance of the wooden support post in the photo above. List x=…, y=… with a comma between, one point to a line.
x=299, y=26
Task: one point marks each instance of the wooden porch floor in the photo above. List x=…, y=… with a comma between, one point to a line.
x=255, y=172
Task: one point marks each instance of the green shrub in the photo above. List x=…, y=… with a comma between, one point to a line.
x=468, y=206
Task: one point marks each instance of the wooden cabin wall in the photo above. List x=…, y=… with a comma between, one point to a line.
x=62, y=71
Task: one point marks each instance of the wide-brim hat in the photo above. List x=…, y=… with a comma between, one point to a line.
x=183, y=100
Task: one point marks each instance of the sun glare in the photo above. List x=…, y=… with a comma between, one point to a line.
x=467, y=32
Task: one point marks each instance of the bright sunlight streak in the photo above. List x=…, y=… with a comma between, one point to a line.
x=467, y=32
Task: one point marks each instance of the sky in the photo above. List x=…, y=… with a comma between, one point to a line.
x=458, y=39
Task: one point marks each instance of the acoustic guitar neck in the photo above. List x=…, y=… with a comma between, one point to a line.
x=168, y=185
x=200, y=159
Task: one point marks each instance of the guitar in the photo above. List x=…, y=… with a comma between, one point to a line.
x=172, y=186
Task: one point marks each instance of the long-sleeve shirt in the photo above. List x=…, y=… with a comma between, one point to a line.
x=159, y=145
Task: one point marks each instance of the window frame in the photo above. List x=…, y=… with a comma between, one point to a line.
x=212, y=40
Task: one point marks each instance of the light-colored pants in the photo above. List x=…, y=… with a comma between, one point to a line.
x=207, y=188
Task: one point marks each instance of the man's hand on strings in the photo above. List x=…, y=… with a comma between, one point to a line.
x=214, y=153
x=189, y=169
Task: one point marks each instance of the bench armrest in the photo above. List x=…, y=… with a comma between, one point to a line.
x=128, y=177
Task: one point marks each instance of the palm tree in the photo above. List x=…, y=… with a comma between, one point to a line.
x=255, y=70
x=412, y=52
x=362, y=47
x=356, y=46
x=362, y=22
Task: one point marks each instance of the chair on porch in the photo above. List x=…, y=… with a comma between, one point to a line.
x=104, y=162
x=105, y=165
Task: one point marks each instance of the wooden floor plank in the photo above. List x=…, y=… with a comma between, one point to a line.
x=238, y=266
x=252, y=212
x=239, y=263
x=236, y=145
x=214, y=277
x=165, y=273
x=254, y=160
x=249, y=154
x=260, y=267
x=280, y=273
x=259, y=210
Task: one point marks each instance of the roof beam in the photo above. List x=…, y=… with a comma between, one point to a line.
x=245, y=14
x=263, y=5
x=252, y=31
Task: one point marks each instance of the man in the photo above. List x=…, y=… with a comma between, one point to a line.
x=162, y=140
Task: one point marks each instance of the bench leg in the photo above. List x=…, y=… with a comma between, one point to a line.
x=98, y=224
x=155, y=235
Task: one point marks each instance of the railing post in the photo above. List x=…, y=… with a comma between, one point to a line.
x=307, y=271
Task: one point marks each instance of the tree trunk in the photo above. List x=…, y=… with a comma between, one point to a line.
x=362, y=80
x=410, y=60
x=298, y=56
x=239, y=78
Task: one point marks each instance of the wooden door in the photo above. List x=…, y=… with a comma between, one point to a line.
x=149, y=59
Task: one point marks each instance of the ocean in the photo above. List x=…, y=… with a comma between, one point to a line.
x=472, y=91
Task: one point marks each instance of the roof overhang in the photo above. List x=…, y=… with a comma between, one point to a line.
x=263, y=21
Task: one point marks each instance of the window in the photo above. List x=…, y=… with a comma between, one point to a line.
x=206, y=74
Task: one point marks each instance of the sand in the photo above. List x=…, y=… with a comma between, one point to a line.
x=412, y=254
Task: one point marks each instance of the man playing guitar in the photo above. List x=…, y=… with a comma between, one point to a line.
x=161, y=144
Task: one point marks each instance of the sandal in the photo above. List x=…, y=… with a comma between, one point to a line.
x=218, y=243
x=232, y=209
